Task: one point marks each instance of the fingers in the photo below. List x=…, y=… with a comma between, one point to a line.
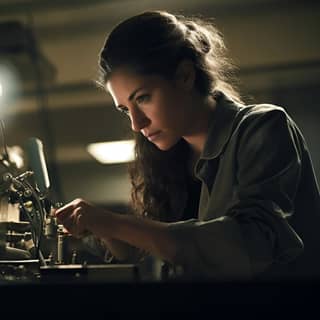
x=71, y=216
x=69, y=206
x=67, y=210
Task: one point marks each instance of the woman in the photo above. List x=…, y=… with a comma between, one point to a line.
x=259, y=205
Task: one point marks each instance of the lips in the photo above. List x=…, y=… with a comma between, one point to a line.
x=153, y=136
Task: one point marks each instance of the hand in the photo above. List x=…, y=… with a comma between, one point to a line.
x=76, y=217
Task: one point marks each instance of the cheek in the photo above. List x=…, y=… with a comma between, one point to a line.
x=164, y=110
x=169, y=108
x=165, y=115
x=175, y=117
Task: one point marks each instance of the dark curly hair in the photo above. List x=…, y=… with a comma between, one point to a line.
x=154, y=42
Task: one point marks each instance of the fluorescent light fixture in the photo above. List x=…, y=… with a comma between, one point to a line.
x=112, y=152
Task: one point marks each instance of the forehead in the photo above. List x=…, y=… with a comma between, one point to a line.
x=124, y=79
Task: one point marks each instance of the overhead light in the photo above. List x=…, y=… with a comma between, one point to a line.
x=112, y=152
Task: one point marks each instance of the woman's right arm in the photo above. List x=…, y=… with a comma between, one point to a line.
x=122, y=251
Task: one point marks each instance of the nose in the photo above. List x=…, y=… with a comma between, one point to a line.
x=138, y=119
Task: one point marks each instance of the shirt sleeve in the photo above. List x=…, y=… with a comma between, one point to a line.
x=254, y=232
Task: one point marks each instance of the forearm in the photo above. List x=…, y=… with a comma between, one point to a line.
x=151, y=236
x=122, y=251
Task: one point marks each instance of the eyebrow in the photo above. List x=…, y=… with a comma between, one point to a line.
x=131, y=96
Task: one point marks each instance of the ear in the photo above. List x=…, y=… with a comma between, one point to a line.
x=185, y=75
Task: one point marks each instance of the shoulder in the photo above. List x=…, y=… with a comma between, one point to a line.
x=262, y=115
x=258, y=111
x=263, y=123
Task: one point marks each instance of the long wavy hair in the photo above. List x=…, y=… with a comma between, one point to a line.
x=154, y=42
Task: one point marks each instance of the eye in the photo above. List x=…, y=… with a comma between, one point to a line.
x=123, y=109
x=143, y=98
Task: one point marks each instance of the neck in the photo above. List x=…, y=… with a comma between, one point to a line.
x=197, y=135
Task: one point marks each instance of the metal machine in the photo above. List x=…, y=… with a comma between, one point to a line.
x=37, y=248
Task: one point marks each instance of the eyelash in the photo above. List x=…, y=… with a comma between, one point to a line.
x=141, y=99
x=123, y=110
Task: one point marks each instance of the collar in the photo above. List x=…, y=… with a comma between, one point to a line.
x=220, y=125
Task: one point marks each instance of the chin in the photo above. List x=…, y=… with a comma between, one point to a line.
x=165, y=146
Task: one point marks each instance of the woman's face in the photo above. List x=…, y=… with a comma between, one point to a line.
x=157, y=107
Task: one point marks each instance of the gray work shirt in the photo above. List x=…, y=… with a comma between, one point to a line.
x=259, y=211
